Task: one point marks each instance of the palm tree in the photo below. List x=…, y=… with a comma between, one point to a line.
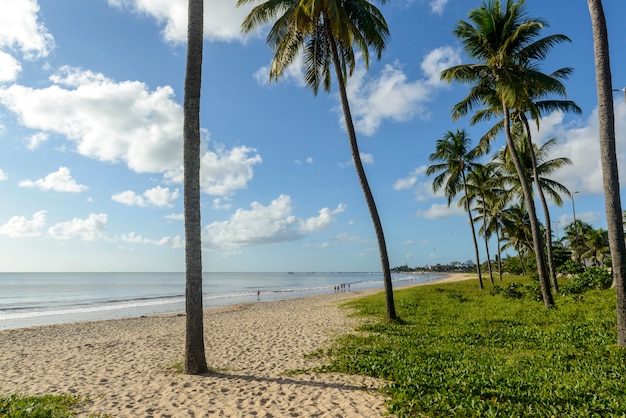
x=575, y=234
x=494, y=205
x=484, y=187
x=326, y=33
x=543, y=85
x=597, y=246
x=537, y=167
x=506, y=47
x=453, y=159
x=516, y=231
x=608, y=157
x=195, y=360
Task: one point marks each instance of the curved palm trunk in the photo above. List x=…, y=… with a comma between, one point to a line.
x=195, y=361
x=358, y=164
x=499, y=252
x=608, y=157
x=521, y=261
x=469, y=213
x=544, y=204
x=486, y=240
x=530, y=206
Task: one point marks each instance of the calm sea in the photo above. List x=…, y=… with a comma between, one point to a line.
x=32, y=299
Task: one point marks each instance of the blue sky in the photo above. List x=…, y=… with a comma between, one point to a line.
x=91, y=139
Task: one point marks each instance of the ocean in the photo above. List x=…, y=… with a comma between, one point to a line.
x=34, y=299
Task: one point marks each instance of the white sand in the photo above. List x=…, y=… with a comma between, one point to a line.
x=125, y=366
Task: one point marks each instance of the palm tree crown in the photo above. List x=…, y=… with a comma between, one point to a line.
x=312, y=27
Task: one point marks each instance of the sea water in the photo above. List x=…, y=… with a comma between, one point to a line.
x=32, y=299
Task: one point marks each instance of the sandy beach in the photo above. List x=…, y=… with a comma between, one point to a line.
x=124, y=367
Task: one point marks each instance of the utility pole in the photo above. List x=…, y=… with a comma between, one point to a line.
x=624, y=90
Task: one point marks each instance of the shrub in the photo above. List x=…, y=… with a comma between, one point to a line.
x=518, y=291
x=594, y=278
x=512, y=291
x=572, y=267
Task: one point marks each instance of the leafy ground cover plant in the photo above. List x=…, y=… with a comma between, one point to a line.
x=46, y=406
x=458, y=351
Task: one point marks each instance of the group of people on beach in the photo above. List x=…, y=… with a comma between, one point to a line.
x=343, y=287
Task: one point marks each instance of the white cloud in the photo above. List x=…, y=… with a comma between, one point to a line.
x=222, y=203
x=21, y=31
x=419, y=184
x=365, y=159
x=265, y=225
x=292, y=74
x=108, y=121
x=437, y=6
x=390, y=95
x=323, y=221
x=112, y=122
x=222, y=19
x=409, y=181
x=20, y=227
x=35, y=140
x=175, y=217
x=157, y=196
x=437, y=211
x=309, y=160
x=3, y=175
x=90, y=229
x=59, y=181
x=9, y=67
x=225, y=171
x=578, y=141
x=438, y=60
x=174, y=242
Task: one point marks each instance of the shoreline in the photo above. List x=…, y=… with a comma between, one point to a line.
x=125, y=366
x=162, y=301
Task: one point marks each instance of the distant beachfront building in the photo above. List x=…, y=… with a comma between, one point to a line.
x=452, y=266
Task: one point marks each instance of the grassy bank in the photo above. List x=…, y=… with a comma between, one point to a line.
x=464, y=352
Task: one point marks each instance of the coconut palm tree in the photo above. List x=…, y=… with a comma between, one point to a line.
x=516, y=231
x=575, y=234
x=538, y=86
x=483, y=187
x=596, y=243
x=608, y=157
x=507, y=48
x=537, y=166
x=195, y=360
x=326, y=33
x=453, y=159
x=491, y=214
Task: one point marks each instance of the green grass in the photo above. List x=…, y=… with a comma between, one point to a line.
x=47, y=406
x=459, y=351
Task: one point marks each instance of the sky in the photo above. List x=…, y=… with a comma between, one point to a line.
x=91, y=120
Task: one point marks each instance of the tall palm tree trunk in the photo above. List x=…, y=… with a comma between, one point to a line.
x=195, y=361
x=544, y=204
x=471, y=219
x=358, y=164
x=499, y=252
x=608, y=157
x=532, y=213
x=486, y=240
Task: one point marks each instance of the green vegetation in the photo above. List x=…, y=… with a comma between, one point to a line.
x=46, y=406
x=459, y=351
